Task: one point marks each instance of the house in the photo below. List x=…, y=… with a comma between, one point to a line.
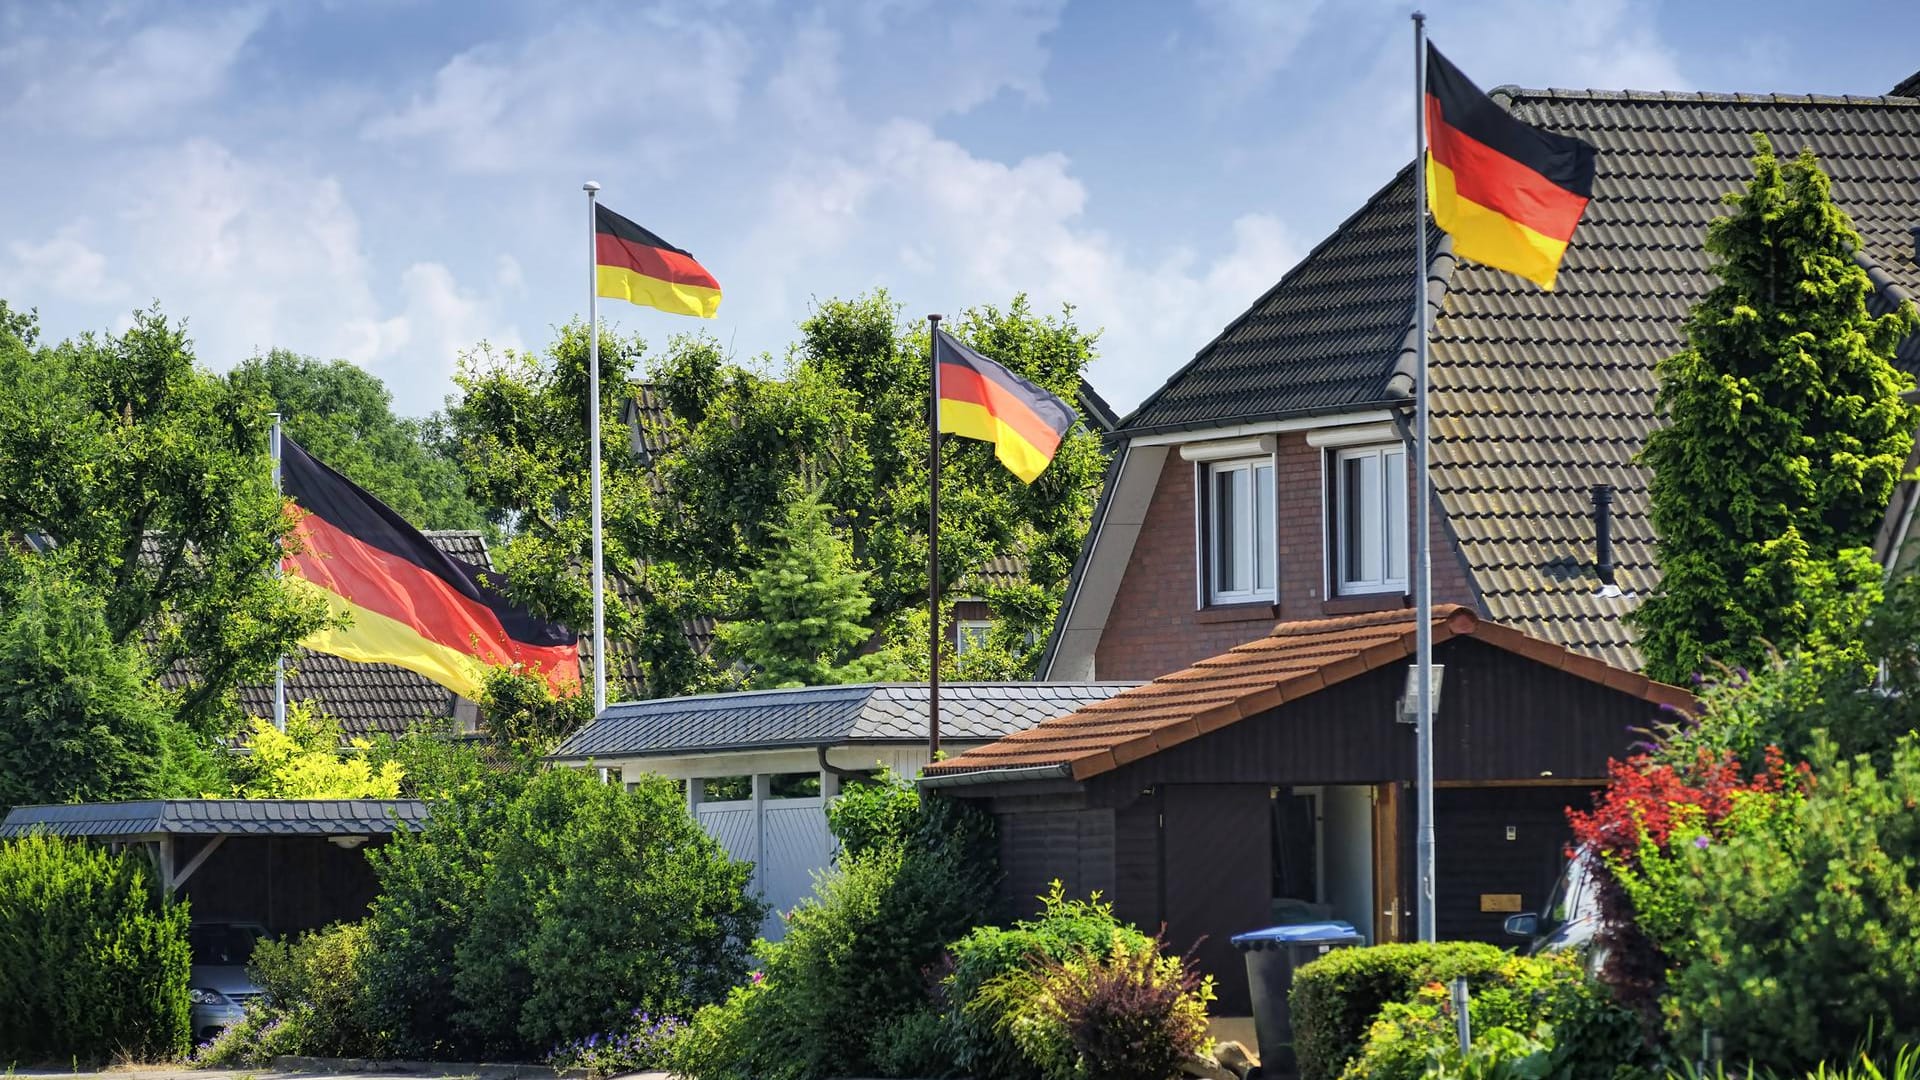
x=1270, y=783
x=758, y=767
x=1264, y=481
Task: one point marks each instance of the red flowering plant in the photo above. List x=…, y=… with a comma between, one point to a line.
x=1644, y=833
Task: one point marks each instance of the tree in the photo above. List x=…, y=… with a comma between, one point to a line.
x=524, y=719
x=344, y=416
x=845, y=418
x=1785, y=431
x=82, y=720
x=807, y=608
x=151, y=478
x=305, y=762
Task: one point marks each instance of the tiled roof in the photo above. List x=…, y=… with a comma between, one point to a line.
x=1538, y=396
x=1295, y=660
x=365, y=698
x=220, y=817
x=824, y=715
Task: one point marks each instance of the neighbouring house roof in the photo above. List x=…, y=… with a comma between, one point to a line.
x=1295, y=660
x=1538, y=396
x=366, y=698
x=823, y=716
x=219, y=817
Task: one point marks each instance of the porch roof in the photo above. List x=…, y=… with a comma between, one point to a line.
x=218, y=817
x=1295, y=660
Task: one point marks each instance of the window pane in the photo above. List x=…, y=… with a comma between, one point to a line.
x=1364, y=544
x=1226, y=545
x=1263, y=547
x=1396, y=512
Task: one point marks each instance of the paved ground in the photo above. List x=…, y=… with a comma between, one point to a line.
x=175, y=1072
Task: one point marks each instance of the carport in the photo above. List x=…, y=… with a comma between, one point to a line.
x=287, y=864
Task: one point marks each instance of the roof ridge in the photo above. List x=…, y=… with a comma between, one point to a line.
x=1324, y=624
x=1514, y=92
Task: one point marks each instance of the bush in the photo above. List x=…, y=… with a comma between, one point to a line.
x=919, y=1044
x=638, y=1044
x=1807, y=936
x=95, y=958
x=1065, y=928
x=867, y=816
x=858, y=955
x=565, y=904
x=313, y=1002
x=1336, y=998
x=1129, y=1013
x=1546, y=1006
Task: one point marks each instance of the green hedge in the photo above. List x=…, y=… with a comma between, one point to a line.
x=93, y=962
x=1336, y=997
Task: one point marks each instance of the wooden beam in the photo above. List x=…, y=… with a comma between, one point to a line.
x=178, y=879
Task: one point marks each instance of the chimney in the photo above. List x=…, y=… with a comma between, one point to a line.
x=1915, y=230
x=1603, y=532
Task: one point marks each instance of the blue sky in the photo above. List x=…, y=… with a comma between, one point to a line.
x=393, y=182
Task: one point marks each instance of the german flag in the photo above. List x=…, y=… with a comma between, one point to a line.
x=634, y=265
x=1508, y=192
x=980, y=399
x=410, y=603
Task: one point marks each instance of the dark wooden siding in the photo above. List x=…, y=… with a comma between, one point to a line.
x=1217, y=860
x=1475, y=858
x=1502, y=717
x=1137, y=895
x=1039, y=846
x=288, y=884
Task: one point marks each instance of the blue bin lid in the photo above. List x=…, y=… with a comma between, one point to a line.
x=1297, y=933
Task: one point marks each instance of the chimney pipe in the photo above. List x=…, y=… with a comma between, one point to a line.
x=1603, y=532
x=1915, y=230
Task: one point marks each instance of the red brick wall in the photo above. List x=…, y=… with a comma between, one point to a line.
x=1154, y=627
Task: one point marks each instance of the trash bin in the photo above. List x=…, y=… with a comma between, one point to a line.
x=1273, y=955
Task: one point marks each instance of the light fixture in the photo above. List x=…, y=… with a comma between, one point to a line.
x=347, y=843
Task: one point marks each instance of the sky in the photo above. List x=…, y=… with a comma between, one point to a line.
x=393, y=182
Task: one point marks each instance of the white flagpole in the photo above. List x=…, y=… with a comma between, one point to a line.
x=1423, y=564
x=593, y=437
x=279, y=568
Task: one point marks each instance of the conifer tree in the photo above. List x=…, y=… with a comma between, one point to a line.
x=1784, y=429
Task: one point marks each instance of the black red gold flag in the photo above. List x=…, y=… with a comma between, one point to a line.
x=981, y=399
x=1509, y=193
x=633, y=264
x=408, y=603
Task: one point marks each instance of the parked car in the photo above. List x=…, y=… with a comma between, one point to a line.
x=1571, y=914
x=220, y=986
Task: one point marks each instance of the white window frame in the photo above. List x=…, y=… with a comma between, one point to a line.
x=1391, y=500
x=968, y=634
x=1248, y=530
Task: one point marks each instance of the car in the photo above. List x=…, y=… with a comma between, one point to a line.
x=1571, y=915
x=220, y=987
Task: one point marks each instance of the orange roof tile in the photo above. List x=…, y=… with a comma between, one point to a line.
x=1295, y=660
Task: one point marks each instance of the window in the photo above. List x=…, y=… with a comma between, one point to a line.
x=971, y=634
x=1370, y=491
x=1239, y=522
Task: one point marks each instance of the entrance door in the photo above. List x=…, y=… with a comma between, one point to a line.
x=1388, y=905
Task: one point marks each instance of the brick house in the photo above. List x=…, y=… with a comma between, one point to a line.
x=1253, y=485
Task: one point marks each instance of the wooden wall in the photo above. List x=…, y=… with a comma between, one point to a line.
x=287, y=884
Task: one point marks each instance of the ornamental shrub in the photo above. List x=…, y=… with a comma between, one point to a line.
x=313, y=1002
x=93, y=959
x=982, y=1043
x=1336, y=998
x=1128, y=1013
x=866, y=816
x=634, y=1046
x=1808, y=936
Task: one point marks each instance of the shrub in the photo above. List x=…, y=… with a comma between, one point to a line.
x=1065, y=928
x=1128, y=1013
x=919, y=1044
x=638, y=1044
x=1526, y=1006
x=867, y=816
x=564, y=904
x=95, y=958
x=857, y=955
x=1808, y=936
x=1336, y=998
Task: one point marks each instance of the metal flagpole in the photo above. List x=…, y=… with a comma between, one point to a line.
x=593, y=437
x=1423, y=567
x=279, y=568
x=933, y=541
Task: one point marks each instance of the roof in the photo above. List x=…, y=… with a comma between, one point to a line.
x=824, y=716
x=1295, y=660
x=1539, y=396
x=219, y=817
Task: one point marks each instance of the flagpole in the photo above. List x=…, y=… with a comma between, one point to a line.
x=592, y=189
x=933, y=541
x=279, y=569
x=1423, y=556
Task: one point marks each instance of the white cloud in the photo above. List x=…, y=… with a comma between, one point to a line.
x=64, y=266
x=1253, y=39
x=94, y=79
x=569, y=91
